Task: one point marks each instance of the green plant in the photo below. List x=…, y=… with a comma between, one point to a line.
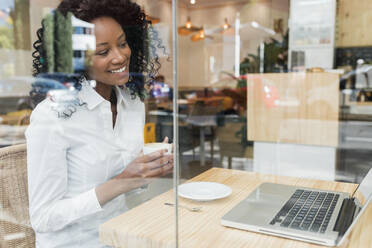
x=21, y=27
x=276, y=55
x=275, y=59
x=63, y=43
x=250, y=64
x=48, y=41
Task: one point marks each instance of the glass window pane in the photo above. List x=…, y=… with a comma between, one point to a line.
x=262, y=109
x=78, y=145
x=264, y=100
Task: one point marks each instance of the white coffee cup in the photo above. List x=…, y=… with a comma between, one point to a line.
x=153, y=147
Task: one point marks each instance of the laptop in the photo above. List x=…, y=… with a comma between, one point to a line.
x=311, y=215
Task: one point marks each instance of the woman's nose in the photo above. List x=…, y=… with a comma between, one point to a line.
x=118, y=57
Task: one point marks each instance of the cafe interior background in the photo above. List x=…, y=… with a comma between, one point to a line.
x=277, y=87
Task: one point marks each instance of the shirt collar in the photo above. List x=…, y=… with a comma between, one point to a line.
x=89, y=96
x=120, y=94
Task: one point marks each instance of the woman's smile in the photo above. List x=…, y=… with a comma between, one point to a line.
x=119, y=70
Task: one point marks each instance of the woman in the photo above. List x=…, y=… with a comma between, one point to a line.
x=79, y=167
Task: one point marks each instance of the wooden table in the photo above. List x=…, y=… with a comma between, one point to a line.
x=152, y=224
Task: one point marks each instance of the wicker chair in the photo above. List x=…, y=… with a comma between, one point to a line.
x=15, y=228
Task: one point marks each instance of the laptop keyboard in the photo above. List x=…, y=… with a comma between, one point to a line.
x=307, y=210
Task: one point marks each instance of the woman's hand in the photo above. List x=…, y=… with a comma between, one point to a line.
x=139, y=172
x=143, y=168
x=147, y=166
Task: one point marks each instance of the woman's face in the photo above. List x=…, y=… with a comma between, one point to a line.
x=110, y=62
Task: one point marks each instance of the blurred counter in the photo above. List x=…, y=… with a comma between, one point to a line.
x=356, y=112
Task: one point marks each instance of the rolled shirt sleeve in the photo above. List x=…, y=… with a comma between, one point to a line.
x=47, y=170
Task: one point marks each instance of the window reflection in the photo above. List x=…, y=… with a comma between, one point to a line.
x=275, y=87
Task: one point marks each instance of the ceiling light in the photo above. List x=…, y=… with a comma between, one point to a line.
x=226, y=25
x=192, y=1
x=202, y=34
x=188, y=23
x=152, y=19
x=188, y=28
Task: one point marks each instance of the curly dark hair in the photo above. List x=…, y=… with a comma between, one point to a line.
x=141, y=38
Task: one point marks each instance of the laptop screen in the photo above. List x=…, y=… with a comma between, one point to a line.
x=363, y=194
x=365, y=188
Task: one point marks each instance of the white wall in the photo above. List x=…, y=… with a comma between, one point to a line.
x=163, y=9
x=195, y=69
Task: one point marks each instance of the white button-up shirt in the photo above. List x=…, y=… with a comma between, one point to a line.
x=68, y=158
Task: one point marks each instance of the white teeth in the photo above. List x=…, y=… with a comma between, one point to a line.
x=120, y=70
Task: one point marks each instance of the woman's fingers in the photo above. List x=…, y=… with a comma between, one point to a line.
x=160, y=171
x=157, y=167
x=166, y=140
x=156, y=163
x=151, y=156
x=159, y=162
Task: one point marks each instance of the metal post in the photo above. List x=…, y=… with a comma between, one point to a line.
x=175, y=115
x=262, y=57
x=237, y=46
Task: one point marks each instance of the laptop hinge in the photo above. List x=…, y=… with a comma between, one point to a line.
x=345, y=216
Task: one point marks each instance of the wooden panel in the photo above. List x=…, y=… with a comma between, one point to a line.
x=354, y=20
x=152, y=224
x=300, y=108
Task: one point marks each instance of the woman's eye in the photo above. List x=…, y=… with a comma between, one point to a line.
x=102, y=53
x=124, y=44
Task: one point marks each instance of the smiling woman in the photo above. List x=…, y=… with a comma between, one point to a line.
x=139, y=35
x=81, y=166
x=110, y=63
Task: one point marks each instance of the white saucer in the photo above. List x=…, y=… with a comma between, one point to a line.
x=203, y=191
